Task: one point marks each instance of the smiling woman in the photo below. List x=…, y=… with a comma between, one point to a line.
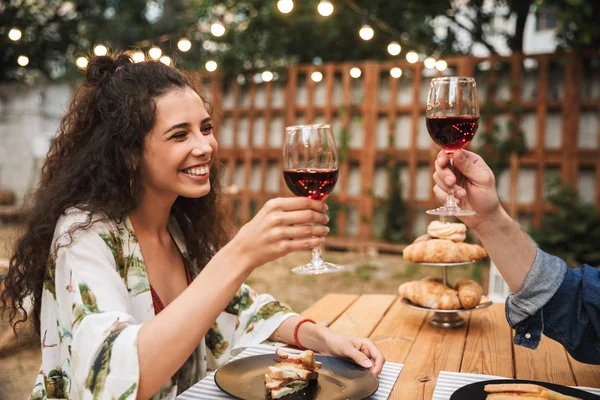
x=136, y=292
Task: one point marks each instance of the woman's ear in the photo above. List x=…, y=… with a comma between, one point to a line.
x=132, y=164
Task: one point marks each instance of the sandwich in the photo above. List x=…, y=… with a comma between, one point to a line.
x=514, y=391
x=291, y=373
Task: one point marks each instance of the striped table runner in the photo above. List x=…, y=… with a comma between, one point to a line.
x=449, y=382
x=207, y=389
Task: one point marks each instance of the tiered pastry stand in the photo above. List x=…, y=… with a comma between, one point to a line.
x=448, y=318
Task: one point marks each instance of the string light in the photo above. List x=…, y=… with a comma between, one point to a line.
x=412, y=57
x=316, y=76
x=138, y=56
x=14, y=34
x=441, y=65
x=267, y=76
x=81, y=62
x=394, y=48
x=325, y=8
x=366, y=32
x=184, y=45
x=211, y=65
x=396, y=72
x=23, y=61
x=217, y=28
x=355, y=72
x=166, y=60
x=100, y=50
x=429, y=62
x=155, y=53
x=285, y=6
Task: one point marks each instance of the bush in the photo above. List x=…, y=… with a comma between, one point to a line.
x=572, y=231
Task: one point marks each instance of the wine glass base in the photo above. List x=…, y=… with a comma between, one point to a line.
x=323, y=268
x=450, y=212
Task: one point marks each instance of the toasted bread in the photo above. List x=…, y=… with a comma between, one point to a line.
x=505, y=391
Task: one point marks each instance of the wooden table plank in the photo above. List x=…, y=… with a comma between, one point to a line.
x=585, y=374
x=548, y=363
x=397, y=331
x=488, y=348
x=329, y=307
x=435, y=349
x=361, y=318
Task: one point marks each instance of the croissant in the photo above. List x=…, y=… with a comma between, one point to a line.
x=469, y=293
x=443, y=251
x=430, y=293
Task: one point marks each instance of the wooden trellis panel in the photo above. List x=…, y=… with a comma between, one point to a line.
x=383, y=120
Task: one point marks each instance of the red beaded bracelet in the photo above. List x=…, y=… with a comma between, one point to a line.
x=296, y=331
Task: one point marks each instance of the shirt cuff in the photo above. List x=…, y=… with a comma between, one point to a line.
x=540, y=285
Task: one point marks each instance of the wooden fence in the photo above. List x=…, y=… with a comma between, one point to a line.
x=554, y=99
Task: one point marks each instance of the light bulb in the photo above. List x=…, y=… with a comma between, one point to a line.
x=100, y=50
x=325, y=8
x=14, y=34
x=184, y=45
x=412, y=57
x=285, y=6
x=394, y=48
x=23, y=61
x=355, y=72
x=429, y=62
x=366, y=32
x=81, y=62
x=316, y=76
x=211, y=65
x=267, y=76
x=138, y=56
x=396, y=72
x=155, y=53
x=441, y=65
x=166, y=60
x=217, y=29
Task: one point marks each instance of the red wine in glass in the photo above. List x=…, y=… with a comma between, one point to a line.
x=312, y=183
x=452, y=133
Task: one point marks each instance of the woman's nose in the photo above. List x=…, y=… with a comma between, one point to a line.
x=202, y=146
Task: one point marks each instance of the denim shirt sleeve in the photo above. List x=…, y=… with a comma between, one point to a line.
x=562, y=303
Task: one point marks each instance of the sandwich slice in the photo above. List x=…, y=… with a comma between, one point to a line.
x=514, y=391
x=291, y=373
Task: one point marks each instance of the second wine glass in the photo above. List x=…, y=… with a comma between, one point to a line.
x=310, y=169
x=452, y=120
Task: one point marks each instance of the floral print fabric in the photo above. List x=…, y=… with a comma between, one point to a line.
x=95, y=299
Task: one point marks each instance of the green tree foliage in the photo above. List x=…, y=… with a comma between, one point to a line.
x=396, y=221
x=572, y=231
x=56, y=32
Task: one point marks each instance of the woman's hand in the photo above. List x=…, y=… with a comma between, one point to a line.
x=478, y=192
x=282, y=226
x=360, y=350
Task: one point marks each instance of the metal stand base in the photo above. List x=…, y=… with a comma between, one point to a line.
x=447, y=320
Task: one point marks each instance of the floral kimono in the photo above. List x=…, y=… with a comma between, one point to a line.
x=95, y=299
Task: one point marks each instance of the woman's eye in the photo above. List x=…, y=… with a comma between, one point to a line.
x=207, y=129
x=179, y=136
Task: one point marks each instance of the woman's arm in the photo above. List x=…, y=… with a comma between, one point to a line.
x=167, y=340
x=323, y=340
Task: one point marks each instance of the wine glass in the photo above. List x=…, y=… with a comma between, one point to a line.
x=452, y=120
x=310, y=169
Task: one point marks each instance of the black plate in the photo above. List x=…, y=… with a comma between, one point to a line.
x=475, y=391
x=244, y=378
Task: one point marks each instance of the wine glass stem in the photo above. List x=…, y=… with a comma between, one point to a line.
x=317, y=260
x=450, y=199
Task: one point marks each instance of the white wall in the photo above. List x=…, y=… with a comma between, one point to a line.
x=29, y=118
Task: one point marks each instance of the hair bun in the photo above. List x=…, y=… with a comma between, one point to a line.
x=101, y=67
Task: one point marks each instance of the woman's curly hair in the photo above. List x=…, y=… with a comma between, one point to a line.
x=90, y=166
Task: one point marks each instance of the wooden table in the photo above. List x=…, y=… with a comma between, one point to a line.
x=483, y=346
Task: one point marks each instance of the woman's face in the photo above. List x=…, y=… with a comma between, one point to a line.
x=180, y=148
